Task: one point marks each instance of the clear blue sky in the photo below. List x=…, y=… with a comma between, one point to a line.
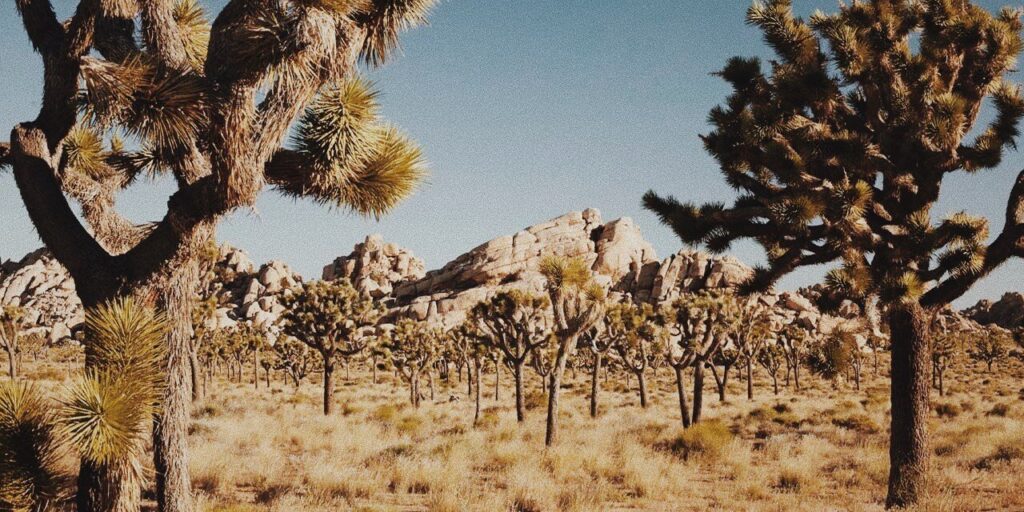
x=526, y=109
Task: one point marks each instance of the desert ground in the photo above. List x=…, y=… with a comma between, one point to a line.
x=822, y=448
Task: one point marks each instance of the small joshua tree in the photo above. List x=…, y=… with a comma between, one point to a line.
x=946, y=345
x=771, y=357
x=839, y=151
x=990, y=345
x=105, y=417
x=330, y=317
x=698, y=324
x=636, y=336
x=598, y=341
x=413, y=347
x=832, y=356
x=752, y=329
x=294, y=358
x=10, y=337
x=514, y=324
x=793, y=340
x=727, y=356
x=577, y=303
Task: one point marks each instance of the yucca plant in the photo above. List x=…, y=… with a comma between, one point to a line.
x=212, y=104
x=105, y=416
x=698, y=324
x=839, y=150
x=332, y=318
x=10, y=336
x=577, y=304
x=31, y=477
x=513, y=324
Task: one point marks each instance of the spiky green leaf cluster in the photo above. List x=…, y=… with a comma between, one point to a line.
x=30, y=451
x=108, y=412
x=350, y=159
x=384, y=19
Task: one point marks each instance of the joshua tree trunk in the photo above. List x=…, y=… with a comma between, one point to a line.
x=908, y=443
x=328, y=384
x=373, y=367
x=469, y=378
x=109, y=489
x=719, y=381
x=551, y=435
x=430, y=381
x=698, y=389
x=642, y=384
x=942, y=388
x=775, y=384
x=170, y=432
x=594, y=386
x=520, y=407
x=750, y=379
x=414, y=388
x=256, y=369
x=681, y=390
x=476, y=371
x=12, y=363
x=193, y=363
x=497, y=382
x=266, y=372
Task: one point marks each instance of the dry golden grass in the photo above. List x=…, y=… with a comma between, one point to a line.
x=819, y=449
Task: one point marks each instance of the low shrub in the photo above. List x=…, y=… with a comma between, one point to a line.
x=706, y=439
x=947, y=410
x=857, y=422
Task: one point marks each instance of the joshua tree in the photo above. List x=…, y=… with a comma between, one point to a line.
x=331, y=318
x=211, y=105
x=10, y=336
x=945, y=346
x=413, y=347
x=990, y=345
x=293, y=357
x=727, y=356
x=832, y=356
x=515, y=324
x=577, y=303
x=472, y=346
x=698, y=324
x=771, y=357
x=839, y=152
x=105, y=417
x=598, y=341
x=752, y=329
x=635, y=336
x=793, y=339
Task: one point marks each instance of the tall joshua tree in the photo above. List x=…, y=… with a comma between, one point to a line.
x=212, y=106
x=840, y=150
x=331, y=318
x=598, y=341
x=515, y=324
x=577, y=303
x=10, y=336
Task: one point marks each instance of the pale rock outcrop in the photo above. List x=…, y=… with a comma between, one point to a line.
x=375, y=267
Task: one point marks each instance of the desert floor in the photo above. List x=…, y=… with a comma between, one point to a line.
x=822, y=448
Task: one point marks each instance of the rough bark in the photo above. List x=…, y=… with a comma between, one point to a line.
x=684, y=412
x=641, y=380
x=328, y=385
x=698, y=390
x=12, y=363
x=520, y=406
x=908, y=443
x=594, y=387
x=476, y=410
x=750, y=378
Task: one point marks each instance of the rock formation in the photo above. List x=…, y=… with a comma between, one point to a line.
x=623, y=261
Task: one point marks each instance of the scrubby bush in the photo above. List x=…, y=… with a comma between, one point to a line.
x=706, y=439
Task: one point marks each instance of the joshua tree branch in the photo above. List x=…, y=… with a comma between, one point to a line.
x=162, y=35
x=41, y=25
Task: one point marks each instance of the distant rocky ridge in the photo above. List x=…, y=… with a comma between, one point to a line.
x=623, y=261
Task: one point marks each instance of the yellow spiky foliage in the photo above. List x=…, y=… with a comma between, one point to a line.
x=108, y=411
x=30, y=476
